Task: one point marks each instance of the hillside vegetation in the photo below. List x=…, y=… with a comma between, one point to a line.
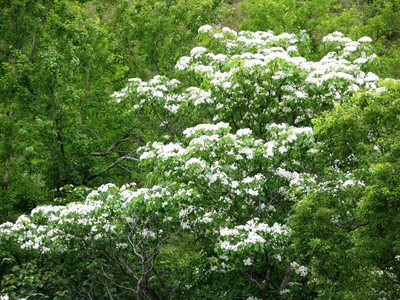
x=199, y=149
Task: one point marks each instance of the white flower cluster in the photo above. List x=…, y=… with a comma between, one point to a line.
x=259, y=78
x=6, y=297
x=212, y=159
x=286, y=134
x=195, y=161
x=346, y=43
x=158, y=91
x=293, y=177
x=336, y=37
x=205, y=128
x=163, y=151
x=52, y=228
x=258, y=52
x=298, y=269
x=205, y=29
x=198, y=96
x=253, y=232
x=252, y=298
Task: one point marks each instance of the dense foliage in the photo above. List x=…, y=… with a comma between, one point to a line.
x=257, y=165
x=60, y=61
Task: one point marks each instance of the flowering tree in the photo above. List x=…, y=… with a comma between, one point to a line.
x=238, y=153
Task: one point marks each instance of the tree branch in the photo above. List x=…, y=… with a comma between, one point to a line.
x=111, y=148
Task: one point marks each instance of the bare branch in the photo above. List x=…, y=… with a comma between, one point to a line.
x=116, y=284
x=111, y=148
x=122, y=158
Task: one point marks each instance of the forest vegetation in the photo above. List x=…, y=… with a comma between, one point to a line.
x=199, y=149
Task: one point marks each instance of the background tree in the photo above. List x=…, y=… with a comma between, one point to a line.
x=350, y=228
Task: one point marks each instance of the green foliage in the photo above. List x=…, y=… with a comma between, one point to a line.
x=151, y=35
x=360, y=226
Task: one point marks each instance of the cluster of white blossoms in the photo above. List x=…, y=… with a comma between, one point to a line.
x=257, y=78
x=52, y=228
x=106, y=216
x=205, y=128
x=6, y=297
x=252, y=233
x=299, y=269
x=159, y=88
x=214, y=166
x=349, y=46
